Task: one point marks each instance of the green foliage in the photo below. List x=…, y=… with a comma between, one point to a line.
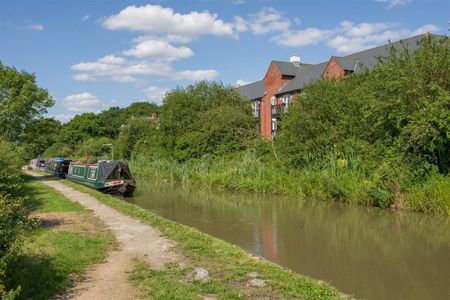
x=205, y=119
x=395, y=120
x=218, y=131
x=432, y=196
x=38, y=136
x=93, y=147
x=131, y=132
x=81, y=127
x=13, y=213
x=21, y=101
x=58, y=149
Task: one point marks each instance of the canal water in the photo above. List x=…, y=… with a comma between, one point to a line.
x=366, y=252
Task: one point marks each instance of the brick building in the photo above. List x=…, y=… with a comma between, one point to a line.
x=272, y=95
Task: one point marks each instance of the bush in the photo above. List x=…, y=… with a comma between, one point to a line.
x=13, y=214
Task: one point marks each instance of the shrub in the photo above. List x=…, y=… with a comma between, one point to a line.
x=13, y=214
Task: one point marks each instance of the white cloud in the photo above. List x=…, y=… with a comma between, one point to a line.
x=84, y=102
x=350, y=37
x=155, y=94
x=159, y=49
x=83, y=77
x=123, y=78
x=426, y=28
x=238, y=2
x=196, y=75
x=111, y=59
x=267, y=20
x=34, y=27
x=63, y=118
x=85, y=18
x=160, y=20
x=241, y=82
x=393, y=3
x=299, y=38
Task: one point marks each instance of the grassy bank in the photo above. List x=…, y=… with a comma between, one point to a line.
x=229, y=266
x=330, y=179
x=50, y=261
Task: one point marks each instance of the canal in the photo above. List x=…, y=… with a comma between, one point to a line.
x=366, y=252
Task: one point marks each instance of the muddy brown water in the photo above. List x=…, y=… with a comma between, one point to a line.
x=366, y=252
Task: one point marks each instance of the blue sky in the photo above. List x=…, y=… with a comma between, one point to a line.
x=91, y=55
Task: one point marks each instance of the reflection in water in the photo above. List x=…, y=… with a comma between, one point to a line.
x=367, y=252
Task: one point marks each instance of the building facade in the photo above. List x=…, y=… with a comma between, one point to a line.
x=273, y=95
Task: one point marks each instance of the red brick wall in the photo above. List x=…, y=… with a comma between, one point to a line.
x=333, y=70
x=273, y=82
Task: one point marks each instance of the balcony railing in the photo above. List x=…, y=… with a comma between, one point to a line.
x=279, y=108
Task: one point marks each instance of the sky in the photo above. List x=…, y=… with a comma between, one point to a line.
x=91, y=55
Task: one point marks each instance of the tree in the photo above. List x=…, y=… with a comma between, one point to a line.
x=81, y=127
x=38, y=135
x=21, y=101
x=185, y=118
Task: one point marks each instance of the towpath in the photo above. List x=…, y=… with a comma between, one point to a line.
x=109, y=280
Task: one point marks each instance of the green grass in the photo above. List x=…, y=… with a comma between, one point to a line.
x=172, y=283
x=228, y=265
x=52, y=260
x=45, y=199
x=328, y=179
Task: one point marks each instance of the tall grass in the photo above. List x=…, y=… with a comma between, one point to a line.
x=328, y=178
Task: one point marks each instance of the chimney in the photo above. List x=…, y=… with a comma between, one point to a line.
x=295, y=59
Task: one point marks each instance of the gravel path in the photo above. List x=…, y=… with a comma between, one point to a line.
x=109, y=280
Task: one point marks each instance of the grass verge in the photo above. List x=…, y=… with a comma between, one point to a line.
x=50, y=261
x=228, y=265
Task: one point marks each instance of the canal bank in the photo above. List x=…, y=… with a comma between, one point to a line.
x=208, y=267
x=367, y=252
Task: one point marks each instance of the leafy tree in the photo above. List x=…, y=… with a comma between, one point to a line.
x=21, y=101
x=110, y=121
x=184, y=118
x=93, y=147
x=399, y=111
x=219, y=131
x=141, y=109
x=13, y=213
x=134, y=130
x=81, y=127
x=39, y=135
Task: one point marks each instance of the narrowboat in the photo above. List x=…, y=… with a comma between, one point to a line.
x=37, y=164
x=108, y=176
x=58, y=166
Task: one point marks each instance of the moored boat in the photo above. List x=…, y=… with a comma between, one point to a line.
x=37, y=164
x=112, y=177
x=58, y=166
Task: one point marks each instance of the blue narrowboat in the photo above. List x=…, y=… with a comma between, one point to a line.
x=58, y=166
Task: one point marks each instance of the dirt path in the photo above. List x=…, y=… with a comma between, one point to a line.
x=109, y=280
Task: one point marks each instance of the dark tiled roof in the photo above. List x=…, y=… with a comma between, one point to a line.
x=347, y=63
x=305, y=75
x=252, y=91
x=369, y=58
x=286, y=68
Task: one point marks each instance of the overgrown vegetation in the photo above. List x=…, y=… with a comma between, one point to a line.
x=13, y=215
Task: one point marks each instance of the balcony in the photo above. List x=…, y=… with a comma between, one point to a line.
x=277, y=109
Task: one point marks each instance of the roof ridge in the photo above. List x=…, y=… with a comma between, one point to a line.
x=386, y=44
